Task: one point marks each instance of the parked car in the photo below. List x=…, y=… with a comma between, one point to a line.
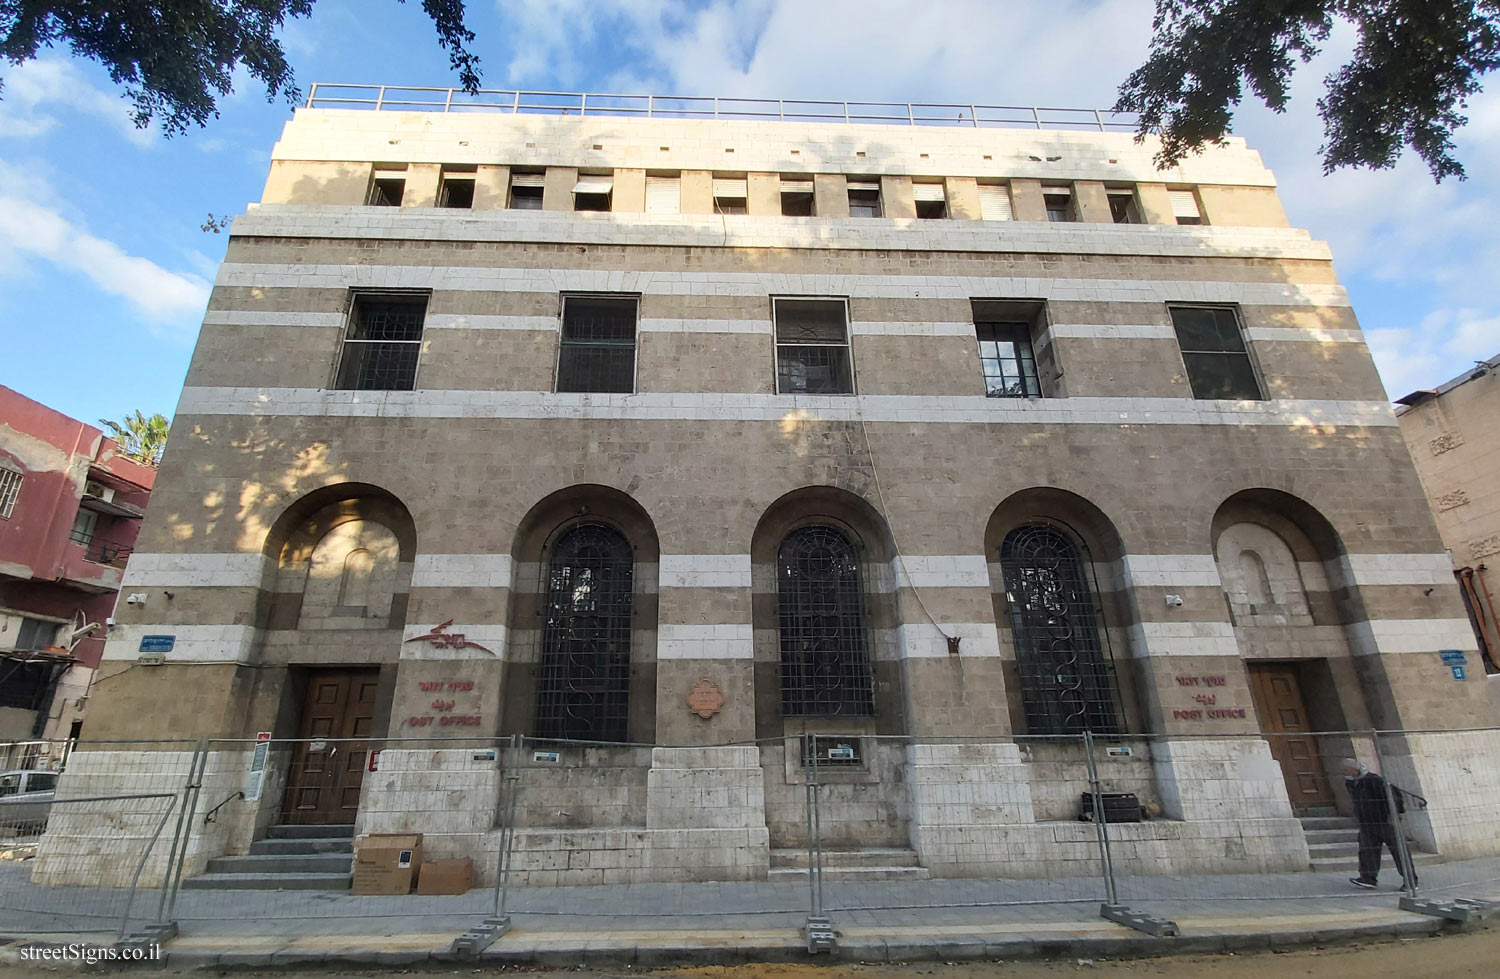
x=25, y=801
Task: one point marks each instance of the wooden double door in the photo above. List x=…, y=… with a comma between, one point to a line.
x=332, y=751
x=1282, y=710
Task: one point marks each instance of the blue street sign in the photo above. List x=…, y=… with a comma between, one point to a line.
x=1458, y=672
x=157, y=644
x=1453, y=657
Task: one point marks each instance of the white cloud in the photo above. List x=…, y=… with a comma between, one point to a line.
x=35, y=232
x=34, y=91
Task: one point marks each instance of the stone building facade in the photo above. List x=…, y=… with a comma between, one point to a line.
x=934, y=439
x=1453, y=432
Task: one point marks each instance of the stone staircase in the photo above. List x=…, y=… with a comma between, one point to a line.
x=1333, y=843
x=289, y=858
x=870, y=863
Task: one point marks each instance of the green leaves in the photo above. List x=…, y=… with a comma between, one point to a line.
x=142, y=439
x=1416, y=63
x=176, y=58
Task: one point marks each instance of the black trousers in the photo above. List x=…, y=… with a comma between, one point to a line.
x=1373, y=836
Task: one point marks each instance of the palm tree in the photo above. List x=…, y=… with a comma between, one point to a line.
x=142, y=439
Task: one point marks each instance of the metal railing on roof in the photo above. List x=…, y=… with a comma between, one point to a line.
x=325, y=95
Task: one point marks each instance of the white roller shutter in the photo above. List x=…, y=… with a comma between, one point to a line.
x=994, y=202
x=864, y=185
x=1184, y=204
x=527, y=180
x=927, y=192
x=796, y=186
x=663, y=195
x=730, y=188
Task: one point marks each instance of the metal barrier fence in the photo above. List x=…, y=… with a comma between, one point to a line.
x=818, y=831
x=415, y=98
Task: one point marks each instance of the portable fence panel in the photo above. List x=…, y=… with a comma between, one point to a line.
x=656, y=837
x=1284, y=823
x=1443, y=792
x=909, y=828
x=278, y=827
x=84, y=833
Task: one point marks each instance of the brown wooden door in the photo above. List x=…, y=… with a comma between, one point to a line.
x=1284, y=722
x=327, y=772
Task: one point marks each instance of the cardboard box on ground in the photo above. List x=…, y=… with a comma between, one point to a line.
x=446, y=877
x=386, y=863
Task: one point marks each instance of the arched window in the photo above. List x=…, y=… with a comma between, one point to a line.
x=584, y=686
x=825, y=658
x=1067, y=683
x=1257, y=582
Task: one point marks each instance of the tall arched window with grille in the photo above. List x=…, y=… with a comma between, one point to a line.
x=825, y=651
x=1067, y=680
x=584, y=684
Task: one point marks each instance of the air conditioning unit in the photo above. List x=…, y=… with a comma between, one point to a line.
x=105, y=493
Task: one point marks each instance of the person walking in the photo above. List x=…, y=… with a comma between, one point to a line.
x=1377, y=828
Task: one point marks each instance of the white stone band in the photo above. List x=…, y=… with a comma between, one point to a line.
x=1411, y=636
x=1183, y=639
x=704, y=571
x=903, y=409
x=190, y=643
x=705, y=642
x=207, y=570
x=461, y=571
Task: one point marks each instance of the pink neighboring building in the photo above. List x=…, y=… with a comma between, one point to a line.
x=70, y=509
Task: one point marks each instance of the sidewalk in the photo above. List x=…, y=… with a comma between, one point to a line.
x=661, y=924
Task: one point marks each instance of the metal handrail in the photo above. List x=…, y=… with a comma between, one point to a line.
x=329, y=95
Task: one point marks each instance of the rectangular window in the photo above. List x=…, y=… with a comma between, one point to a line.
x=1006, y=357
x=1185, y=207
x=592, y=193
x=84, y=526
x=864, y=198
x=663, y=195
x=35, y=634
x=598, y=345
x=1122, y=207
x=812, y=346
x=1059, y=201
x=387, y=188
x=1213, y=351
x=382, y=342
x=931, y=202
x=730, y=196
x=457, y=190
x=796, y=198
x=10, y=489
x=526, y=191
x=994, y=203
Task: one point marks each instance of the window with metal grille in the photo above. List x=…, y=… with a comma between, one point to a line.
x=812, y=346
x=1067, y=681
x=832, y=751
x=382, y=342
x=1006, y=357
x=864, y=198
x=10, y=490
x=584, y=684
x=597, y=353
x=825, y=659
x=1213, y=351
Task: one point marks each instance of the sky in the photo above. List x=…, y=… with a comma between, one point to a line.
x=105, y=267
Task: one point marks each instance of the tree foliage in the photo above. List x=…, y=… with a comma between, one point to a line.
x=176, y=58
x=1407, y=83
x=141, y=438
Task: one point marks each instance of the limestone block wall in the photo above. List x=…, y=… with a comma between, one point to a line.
x=448, y=795
x=861, y=808
x=1458, y=772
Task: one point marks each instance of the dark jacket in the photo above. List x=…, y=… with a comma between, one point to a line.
x=1368, y=795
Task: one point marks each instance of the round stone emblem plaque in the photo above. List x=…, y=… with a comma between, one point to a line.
x=705, y=699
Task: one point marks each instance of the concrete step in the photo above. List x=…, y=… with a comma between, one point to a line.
x=1387, y=866
x=1329, y=822
x=279, y=863
x=1316, y=811
x=269, y=882
x=287, y=831
x=869, y=857
x=850, y=873
x=1325, y=851
x=1315, y=836
x=292, y=847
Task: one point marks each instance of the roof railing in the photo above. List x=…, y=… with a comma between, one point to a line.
x=403, y=98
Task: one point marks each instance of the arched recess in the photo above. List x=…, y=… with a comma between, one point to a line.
x=583, y=619
x=1302, y=626
x=824, y=604
x=1063, y=611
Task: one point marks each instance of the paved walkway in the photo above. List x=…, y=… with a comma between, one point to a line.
x=662, y=923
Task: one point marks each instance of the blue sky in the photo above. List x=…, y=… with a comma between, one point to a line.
x=104, y=270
